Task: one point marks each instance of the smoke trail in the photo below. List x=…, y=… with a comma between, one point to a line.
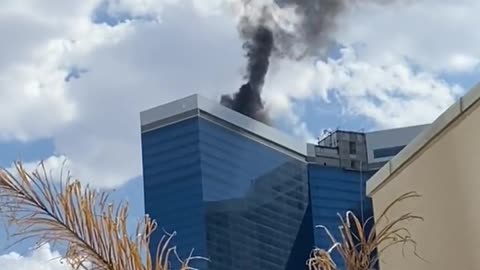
x=248, y=100
x=292, y=29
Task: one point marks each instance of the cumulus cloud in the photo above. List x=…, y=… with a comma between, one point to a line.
x=33, y=88
x=130, y=67
x=34, y=93
x=129, y=71
x=53, y=164
x=392, y=95
x=437, y=36
x=388, y=72
x=59, y=167
x=462, y=63
x=42, y=258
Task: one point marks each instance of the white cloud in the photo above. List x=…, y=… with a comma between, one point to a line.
x=27, y=89
x=53, y=164
x=391, y=95
x=35, y=97
x=299, y=80
x=282, y=107
x=462, y=63
x=436, y=35
x=42, y=258
x=59, y=167
x=156, y=63
x=155, y=8
x=130, y=71
x=289, y=81
x=130, y=67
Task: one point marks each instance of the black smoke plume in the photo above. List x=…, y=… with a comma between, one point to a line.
x=292, y=29
x=248, y=100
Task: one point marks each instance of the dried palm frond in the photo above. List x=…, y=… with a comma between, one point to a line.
x=93, y=230
x=320, y=259
x=359, y=248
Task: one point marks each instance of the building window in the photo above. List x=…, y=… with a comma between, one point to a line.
x=353, y=164
x=353, y=148
x=387, y=152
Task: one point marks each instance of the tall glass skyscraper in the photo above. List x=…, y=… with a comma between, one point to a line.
x=239, y=192
x=225, y=184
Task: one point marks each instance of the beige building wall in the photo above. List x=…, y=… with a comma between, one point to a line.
x=444, y=168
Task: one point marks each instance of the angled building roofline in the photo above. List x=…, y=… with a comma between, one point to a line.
x=396, y=129
x=432, y=131
x=195, y=105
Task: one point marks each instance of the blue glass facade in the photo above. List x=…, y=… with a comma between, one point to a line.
x=173, y=184
x=238, y=201
x=335, y=190
x=235, y=200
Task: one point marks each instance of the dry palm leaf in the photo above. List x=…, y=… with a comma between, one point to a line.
x=320, y=259
x=359, y=248
x=93, y=230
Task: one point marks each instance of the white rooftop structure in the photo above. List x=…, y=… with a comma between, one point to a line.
x=196, y=105
x=382, y=145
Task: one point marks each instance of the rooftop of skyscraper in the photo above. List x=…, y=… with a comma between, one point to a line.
x=341, y=148
x=197, y=105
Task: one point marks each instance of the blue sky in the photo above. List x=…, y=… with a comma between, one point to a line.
x=76, y=74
